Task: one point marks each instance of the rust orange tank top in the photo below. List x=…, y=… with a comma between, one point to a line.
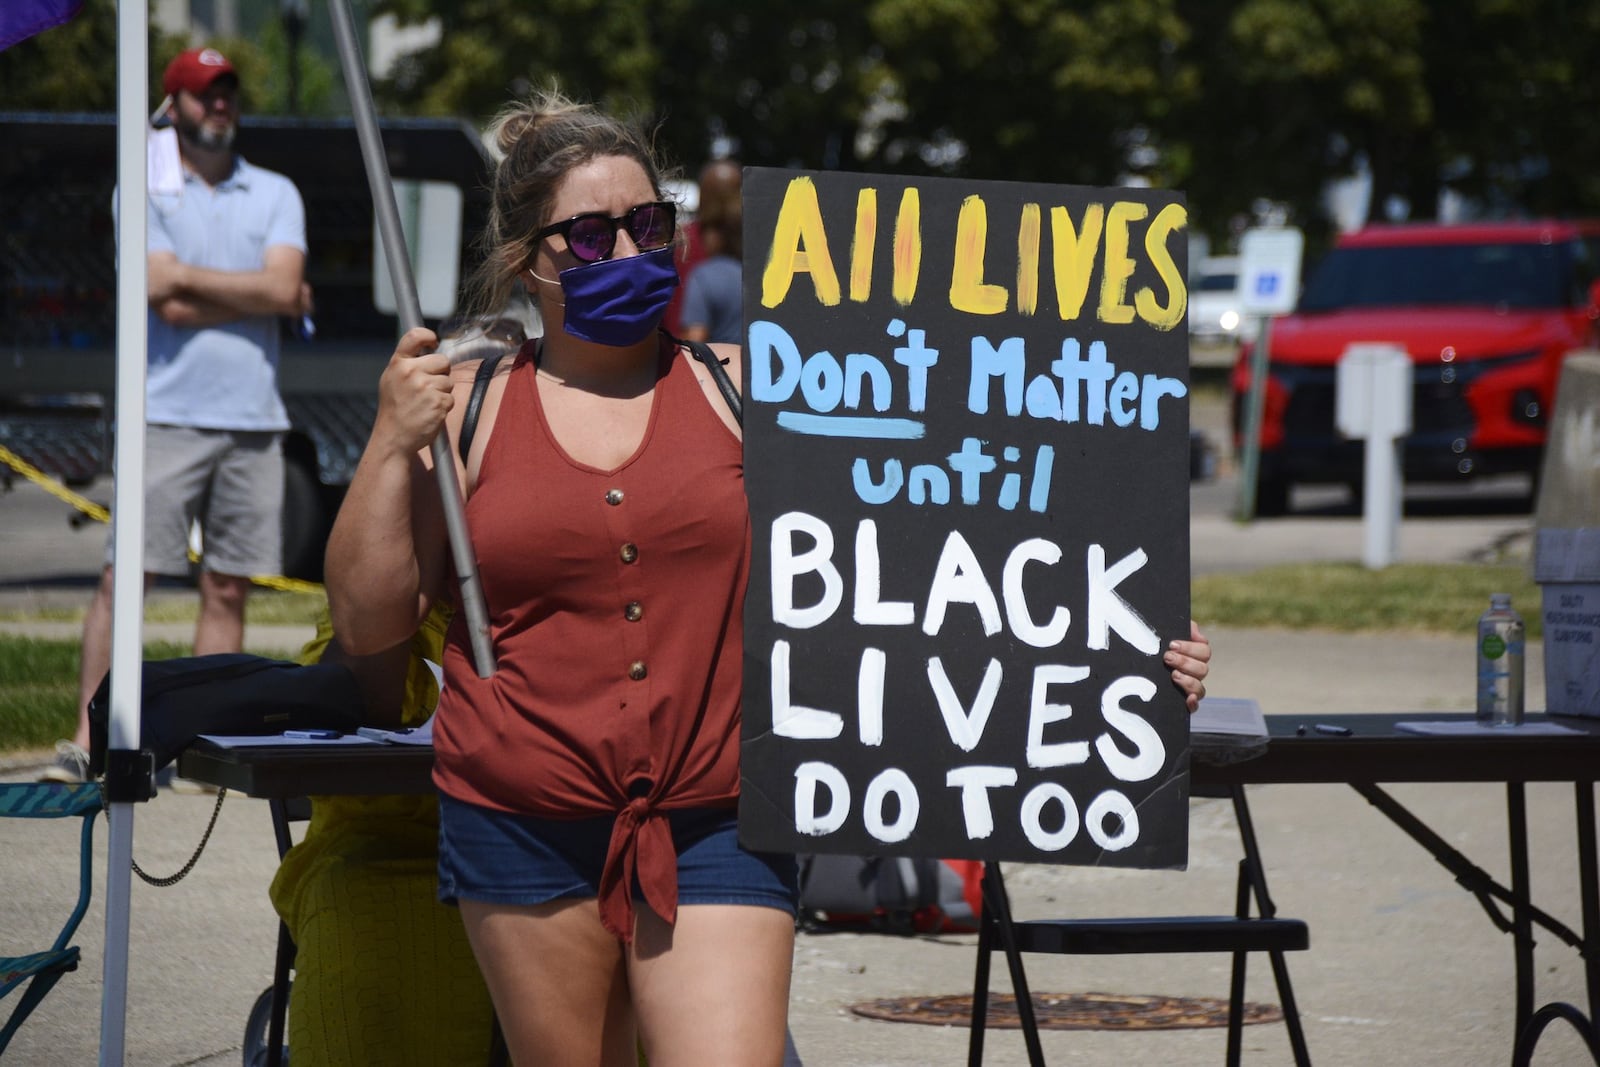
x=616, y=606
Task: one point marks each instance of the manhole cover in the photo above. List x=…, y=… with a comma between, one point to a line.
x=1070, y=1011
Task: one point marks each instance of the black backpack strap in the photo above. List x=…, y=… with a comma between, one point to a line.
x=480, y=386
x=719, y=374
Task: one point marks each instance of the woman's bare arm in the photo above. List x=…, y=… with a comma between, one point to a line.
x=387, y=556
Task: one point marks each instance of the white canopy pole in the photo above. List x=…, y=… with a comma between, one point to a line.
x=127, y=603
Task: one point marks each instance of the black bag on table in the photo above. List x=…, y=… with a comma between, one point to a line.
x=228, y=693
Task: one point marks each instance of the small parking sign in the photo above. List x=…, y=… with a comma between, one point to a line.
x=1269, y=269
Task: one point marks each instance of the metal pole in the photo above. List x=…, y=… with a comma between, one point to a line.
x=1381, y=501
x=295, y=14
x=410, y=311
x=127, y=536
x=1255, y=402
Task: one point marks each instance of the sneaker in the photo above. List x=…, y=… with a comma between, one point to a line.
x=71, y=765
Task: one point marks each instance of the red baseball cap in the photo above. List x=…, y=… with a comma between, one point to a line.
x=195, y=70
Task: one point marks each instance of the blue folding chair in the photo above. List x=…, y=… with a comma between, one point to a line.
x=36, y=974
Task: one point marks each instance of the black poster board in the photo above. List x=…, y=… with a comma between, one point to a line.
x=966, y=453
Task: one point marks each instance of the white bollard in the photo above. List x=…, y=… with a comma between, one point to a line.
x=1373, y=398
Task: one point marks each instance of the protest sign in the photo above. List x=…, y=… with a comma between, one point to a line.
x=966, y=454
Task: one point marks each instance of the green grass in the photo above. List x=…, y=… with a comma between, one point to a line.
x=264, y=608
x=39, y=691
x=1419, y=597
x=39, y=677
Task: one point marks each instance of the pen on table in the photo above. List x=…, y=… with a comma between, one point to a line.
x=1335, y=731
x=313, y=735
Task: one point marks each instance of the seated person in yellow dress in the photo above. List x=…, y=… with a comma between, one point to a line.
x=384, y=973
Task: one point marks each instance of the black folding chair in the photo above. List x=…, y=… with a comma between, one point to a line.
x=1239, y=934
x=264, y=1029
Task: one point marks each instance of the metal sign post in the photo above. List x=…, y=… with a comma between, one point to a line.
x=410, y=312
x=1269, y=284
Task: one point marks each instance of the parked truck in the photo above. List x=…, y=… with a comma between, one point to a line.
x=57, y=290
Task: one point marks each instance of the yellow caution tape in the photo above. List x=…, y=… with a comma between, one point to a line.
x=53, y=487
x=101, y=514
x=278, y=581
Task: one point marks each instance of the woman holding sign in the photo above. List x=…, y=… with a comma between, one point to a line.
x=589, y=787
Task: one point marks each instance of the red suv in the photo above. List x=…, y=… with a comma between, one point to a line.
x=1487, y=313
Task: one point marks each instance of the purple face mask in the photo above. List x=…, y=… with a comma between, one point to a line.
x=619, y=301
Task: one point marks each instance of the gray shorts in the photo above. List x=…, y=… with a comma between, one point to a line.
x=231, y=481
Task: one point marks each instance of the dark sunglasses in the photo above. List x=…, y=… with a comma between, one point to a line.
x=592, y=236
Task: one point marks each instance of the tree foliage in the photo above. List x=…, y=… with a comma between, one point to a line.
x=1033, y=90
x=1237, y=102
x=778, y=82
x=1297, y=93
x=1515, y=88
x=73, y=67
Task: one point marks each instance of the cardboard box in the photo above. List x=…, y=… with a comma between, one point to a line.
x=1567, y=568
x=1566, y=548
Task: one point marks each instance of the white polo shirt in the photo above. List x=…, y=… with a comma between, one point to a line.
x=222, y=377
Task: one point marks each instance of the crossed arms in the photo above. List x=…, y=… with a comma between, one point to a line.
x=193, y=297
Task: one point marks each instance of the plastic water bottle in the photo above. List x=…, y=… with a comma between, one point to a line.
x=1500, y=641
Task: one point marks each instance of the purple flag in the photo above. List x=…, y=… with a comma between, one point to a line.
x=21, y=19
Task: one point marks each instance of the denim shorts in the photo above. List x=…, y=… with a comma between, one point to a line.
x=502, y=858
